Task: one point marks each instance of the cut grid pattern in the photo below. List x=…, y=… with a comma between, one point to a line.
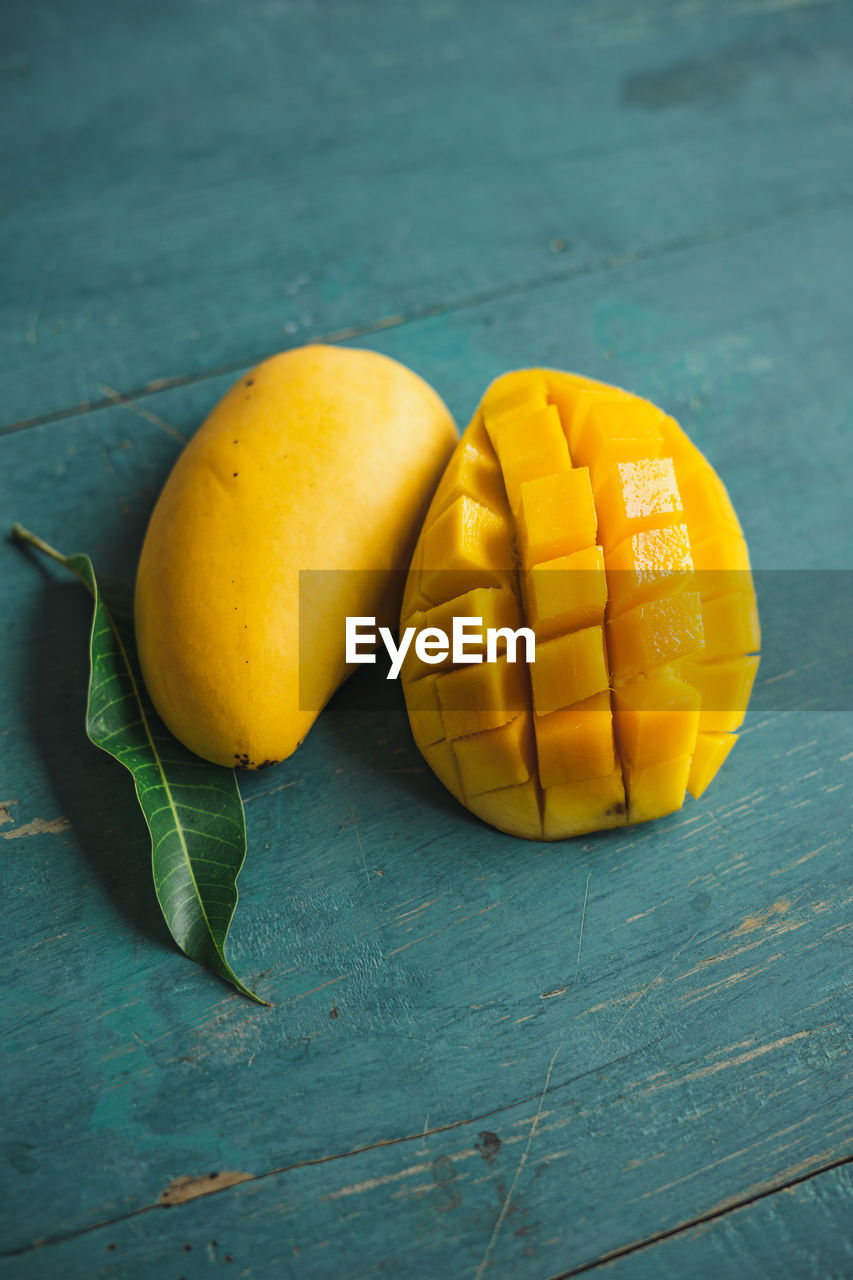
x=615, y=541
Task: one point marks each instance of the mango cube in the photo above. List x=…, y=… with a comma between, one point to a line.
x=513, y=396
x=529, y=448
x=568, y=593
x=422, y=700
x=596, y=804
x=655, y=719
x=556, y=516
x=724, y=688
x=587, y=515
x=722, y=564
x=568, y=391
x=657, y=790
x=651, y=563
x=637, y=495
x=495, y=608
x=498, y=758
x=731, y=625
x=576, y=743
x=708, y=756
x=476, y=698
x=613, y=430
x=705, y=499
x=471, y=473
x=655, y=632
x=568, y=669
x=467, y=546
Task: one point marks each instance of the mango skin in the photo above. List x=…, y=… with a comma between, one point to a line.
x=321, y=458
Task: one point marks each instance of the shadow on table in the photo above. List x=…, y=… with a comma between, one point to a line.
x=371, y=727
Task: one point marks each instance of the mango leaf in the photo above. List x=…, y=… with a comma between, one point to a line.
x=193, y=809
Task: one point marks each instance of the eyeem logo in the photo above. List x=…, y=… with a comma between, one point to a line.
x=432, y=645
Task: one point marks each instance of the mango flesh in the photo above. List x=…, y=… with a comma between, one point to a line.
x=321, y=459
x=586, y=514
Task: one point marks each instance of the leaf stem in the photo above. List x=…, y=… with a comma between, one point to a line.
x=20, y=534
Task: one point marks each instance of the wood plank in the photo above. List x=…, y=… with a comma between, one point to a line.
x=424, y=969
x=801, y=1231
x=194, y=190
x=757, y=373
x=508, y=1195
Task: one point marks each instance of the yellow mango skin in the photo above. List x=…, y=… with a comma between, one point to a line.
x=321, y=458
x=584, y=513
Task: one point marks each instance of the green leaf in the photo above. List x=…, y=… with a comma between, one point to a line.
x=193, y=808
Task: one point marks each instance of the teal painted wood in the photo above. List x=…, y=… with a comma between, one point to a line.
x=654, y=197
x=439, y=1210
x=757, y=374
x=804, y=1231
x=424, y=969
x=202, y=184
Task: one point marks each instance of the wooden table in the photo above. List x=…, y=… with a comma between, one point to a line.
x=483, y=1057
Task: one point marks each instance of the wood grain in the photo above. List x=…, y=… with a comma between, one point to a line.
x=484, y=1058
x=195, y=187
x=424, y=969
x=803, y=1230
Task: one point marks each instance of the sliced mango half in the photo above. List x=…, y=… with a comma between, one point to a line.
x=585, y=514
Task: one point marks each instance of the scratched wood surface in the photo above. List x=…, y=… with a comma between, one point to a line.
x=483, y=1057
x=200, y=184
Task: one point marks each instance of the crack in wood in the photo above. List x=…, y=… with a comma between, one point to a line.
x=46, y=1241
x=607, y=262
x=734, y=1205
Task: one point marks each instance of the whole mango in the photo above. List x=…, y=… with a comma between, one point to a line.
x=585, y=515
x=316, y=467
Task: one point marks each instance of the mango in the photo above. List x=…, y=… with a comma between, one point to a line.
x=315, y=468
x=586, y=514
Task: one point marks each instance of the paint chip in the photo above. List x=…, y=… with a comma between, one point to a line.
x=180, y=1190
